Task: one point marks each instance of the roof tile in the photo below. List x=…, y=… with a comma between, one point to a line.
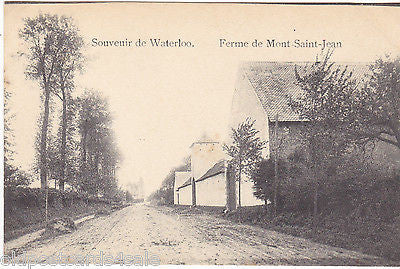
x=275, y=84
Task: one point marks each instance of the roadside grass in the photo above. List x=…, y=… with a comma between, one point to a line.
x=24, y=208
x=22, y=221
x=366, y=235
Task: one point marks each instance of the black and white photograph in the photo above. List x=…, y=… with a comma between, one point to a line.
x=147, y=134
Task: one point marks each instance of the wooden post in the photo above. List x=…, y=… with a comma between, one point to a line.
x=46, y=202
x=276, y=166
x=239, y=187
x=227, y=192
x=230, y=189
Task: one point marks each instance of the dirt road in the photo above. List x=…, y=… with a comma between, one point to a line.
x=182, y=238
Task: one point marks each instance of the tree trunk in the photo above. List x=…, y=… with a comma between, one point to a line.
x=100, y=178
x=83, y=166
x=63, y=139
x=315, y=176
x=43, y=143
x=396, y=131
x=315, y=203
x=240, y=187
x=84, y=148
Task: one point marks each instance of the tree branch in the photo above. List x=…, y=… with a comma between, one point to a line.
x=52, y=63
x=56, y=93
x=386, y=140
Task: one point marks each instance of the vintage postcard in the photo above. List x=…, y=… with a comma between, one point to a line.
x=201, y=134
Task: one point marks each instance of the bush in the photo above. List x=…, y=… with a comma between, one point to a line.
x=25, y=207
x=60, y=226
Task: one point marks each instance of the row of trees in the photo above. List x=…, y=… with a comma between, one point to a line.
x=54, y=56
x=90, y=157
x=165, y=194
x=77, y=148
x=342, y=116
x=345, y=115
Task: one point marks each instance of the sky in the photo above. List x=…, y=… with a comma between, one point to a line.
x=163, y=99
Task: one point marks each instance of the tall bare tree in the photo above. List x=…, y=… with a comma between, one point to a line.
x=50, y=39
x=70, y=61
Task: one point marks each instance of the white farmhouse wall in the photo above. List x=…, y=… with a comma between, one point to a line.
x=211, y=191
x=204, y=156
x=180, y=178
x=245, y=103
x=248, y=198
x=185, y=195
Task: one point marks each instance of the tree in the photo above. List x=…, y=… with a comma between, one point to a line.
x=8, y=132
x=342, y=112
x=245, y=151
x=325, y=132
x=67, y=145
x=49, y=40
x=128, y=196
x=364, y=112
x=70, y=61
x=66, y=167
x=375, y=108
x=99, y=155
x=264, y=179
x=165, y=194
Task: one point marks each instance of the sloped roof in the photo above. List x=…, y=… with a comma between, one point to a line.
x=218, y=168
x=181, y=177
x=186, y=183
x=275, y=83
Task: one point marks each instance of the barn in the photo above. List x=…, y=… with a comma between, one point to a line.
x=262, y=92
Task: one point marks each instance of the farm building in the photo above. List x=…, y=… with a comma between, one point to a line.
x=208, y=181
x=263, y=91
